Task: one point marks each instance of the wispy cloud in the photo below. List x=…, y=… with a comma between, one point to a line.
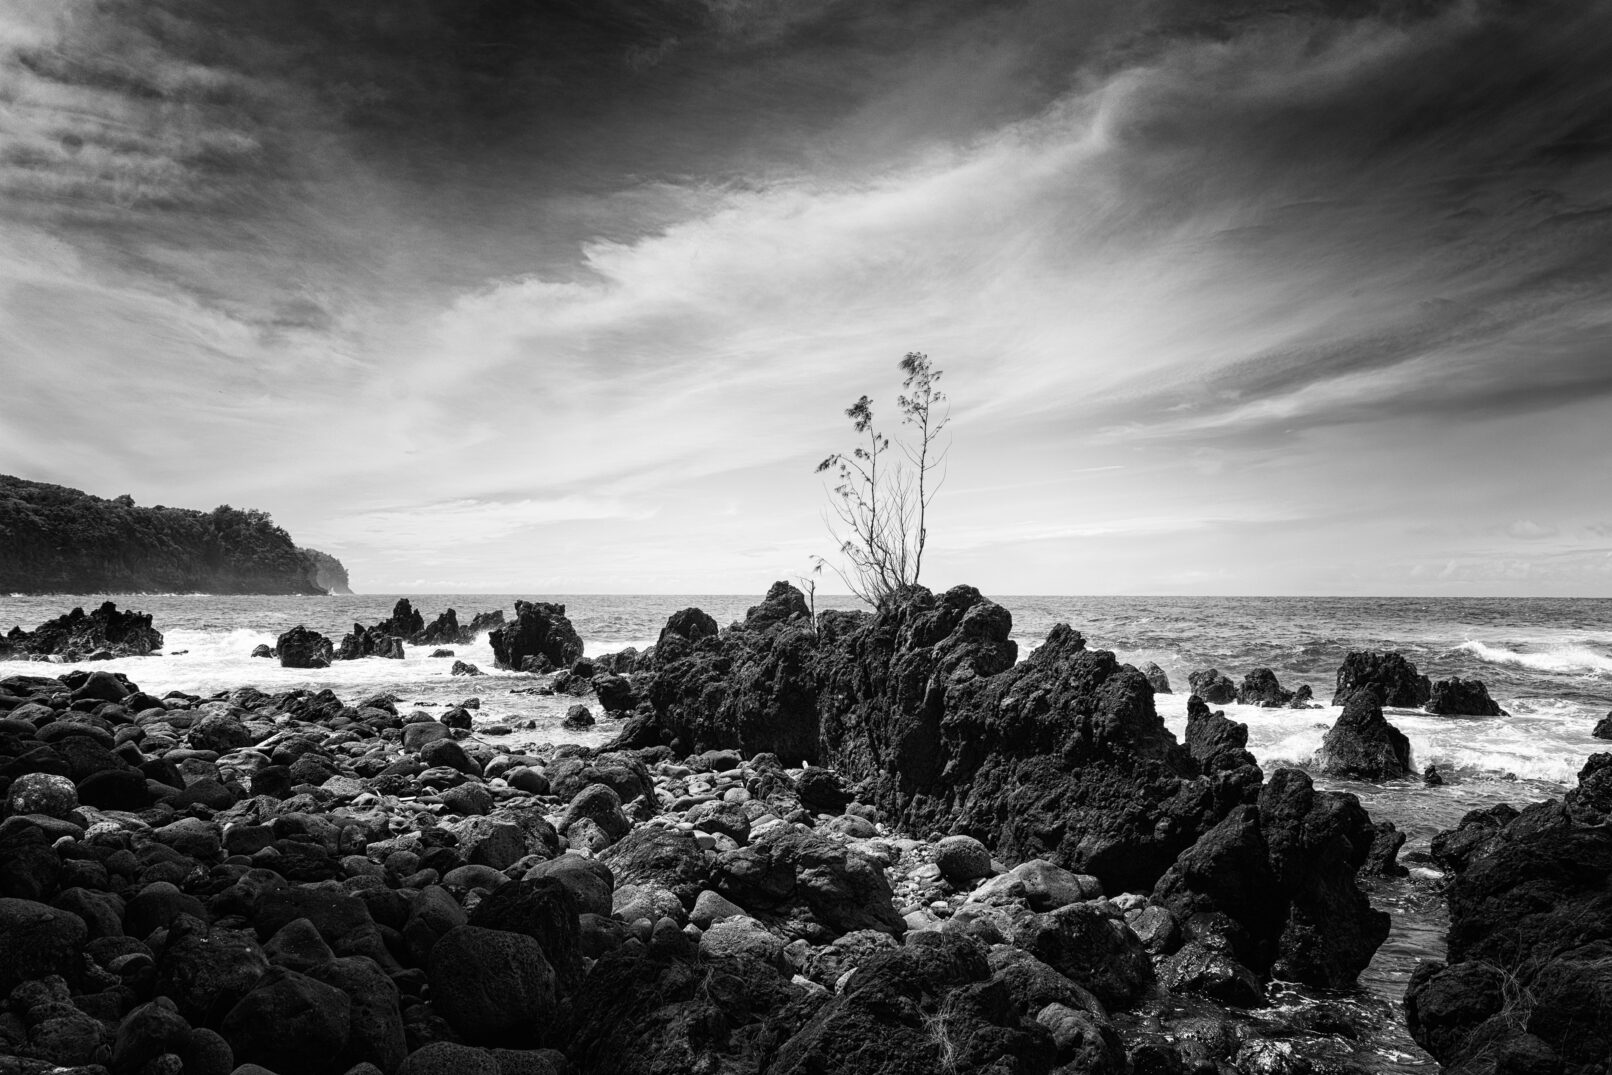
x=1226, y=296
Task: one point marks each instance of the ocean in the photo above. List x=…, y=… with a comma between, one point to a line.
x=1548, y=662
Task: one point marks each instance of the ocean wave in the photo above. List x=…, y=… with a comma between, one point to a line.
x=1563, y=659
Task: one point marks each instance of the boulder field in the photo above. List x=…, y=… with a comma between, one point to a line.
x=874, y=844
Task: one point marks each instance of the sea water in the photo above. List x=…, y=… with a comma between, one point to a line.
x=1547, y=662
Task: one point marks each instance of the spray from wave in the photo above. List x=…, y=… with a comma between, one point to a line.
x=1567, y=660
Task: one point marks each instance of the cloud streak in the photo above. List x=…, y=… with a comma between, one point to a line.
x=1223, y=294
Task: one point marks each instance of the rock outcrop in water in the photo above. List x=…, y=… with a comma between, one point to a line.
x=1213, y=686
x=539, y=639
x=302, y=648
x=100, y=635
x=1362, y=745
x=1389, y=676
x=1463, y=697
x=60, y=540
x=364, y=641
x=1527, y=983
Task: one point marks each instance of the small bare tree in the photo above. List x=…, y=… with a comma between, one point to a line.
x=881, y=506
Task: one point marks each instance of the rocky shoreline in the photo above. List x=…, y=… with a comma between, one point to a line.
x=865, y=843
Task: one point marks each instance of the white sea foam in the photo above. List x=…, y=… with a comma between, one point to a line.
x=1564, y=659
x=1546, y=742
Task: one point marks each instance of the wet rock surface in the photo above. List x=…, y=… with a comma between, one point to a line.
x=1527, y=984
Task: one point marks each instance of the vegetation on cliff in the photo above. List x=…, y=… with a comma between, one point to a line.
x=59, y=540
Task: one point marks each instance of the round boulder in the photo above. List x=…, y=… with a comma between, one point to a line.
x=492, y=986
x=962, y=859
x=42, y=793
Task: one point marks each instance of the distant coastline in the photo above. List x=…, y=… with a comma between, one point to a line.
x=57, y=540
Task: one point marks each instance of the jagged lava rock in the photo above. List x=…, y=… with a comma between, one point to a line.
x=1603, y=728
x=1362, y=745
x=1391, y=678
x=121, y=634
x=364, y=641
x=1463, y=697
x=540, y=629
x=1284, y=869
x=1213, y=686
x=1157, y=677
x=1529, y=965
x=1261, y=687
x=302, y=648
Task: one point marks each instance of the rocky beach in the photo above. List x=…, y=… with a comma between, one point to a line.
x=865, y=842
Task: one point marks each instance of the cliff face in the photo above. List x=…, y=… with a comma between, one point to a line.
x=59, y=540
x=328, y=573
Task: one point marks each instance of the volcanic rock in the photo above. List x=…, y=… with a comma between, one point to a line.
x=1260, y=687
x=1362, y=745
x=1463, y=697
x=302, y=648
x=1213, y=686
x=540, y=630
x=1391, y=678
x=1527, y=975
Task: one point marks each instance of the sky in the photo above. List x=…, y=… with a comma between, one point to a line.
x=1230, y=296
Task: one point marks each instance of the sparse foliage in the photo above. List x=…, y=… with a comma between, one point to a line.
x=880, y=503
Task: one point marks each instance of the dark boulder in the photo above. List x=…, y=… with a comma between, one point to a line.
x=638, y=1014
x=1213, y=686
x=919, y=1009
x=1603, y=728
x=1391, y=678
x=1463, y=697
x=1260, y=687
x=36, y=941
x=463, y=668
x=1098, y=953
x=577, y=717
x=1362, y=745
x=493, y=987
x=262, y=650
x=543, y=909
x=822, y=790
x=290, y=1022
x=807, y=884
x=375, y=1022
x=615, y=693
x=540, y=630
x=302, y=648
x=1156, y=677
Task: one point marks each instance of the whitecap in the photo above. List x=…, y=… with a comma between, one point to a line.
x=1562, y=659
